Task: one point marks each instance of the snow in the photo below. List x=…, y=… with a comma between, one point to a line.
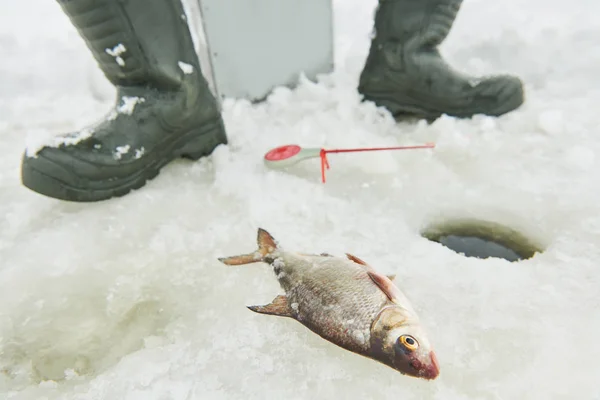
x=278, y=263
x=44, y=138
x=139, y=153
x=186, y=68
x=120, y=150
x=116, y=53
x=126, y=299
x=128, y=104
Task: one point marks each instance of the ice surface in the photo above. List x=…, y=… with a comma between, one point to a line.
x=126, y=300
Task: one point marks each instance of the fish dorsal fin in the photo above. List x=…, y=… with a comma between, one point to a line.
x=279, y=307
x=386, y=285
x=356, y=259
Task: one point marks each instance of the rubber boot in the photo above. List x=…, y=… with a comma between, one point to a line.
x=164, y=108
x=405, y=73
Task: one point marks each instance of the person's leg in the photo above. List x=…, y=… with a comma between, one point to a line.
x=164, y=108
x=405, y=73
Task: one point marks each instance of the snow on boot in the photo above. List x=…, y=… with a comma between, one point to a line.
x=406, y=74
x=164, y=108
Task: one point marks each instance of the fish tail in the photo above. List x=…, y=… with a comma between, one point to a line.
x=266, y=245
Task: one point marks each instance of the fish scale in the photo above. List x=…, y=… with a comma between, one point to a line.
x=347, y=302
x=341, y=312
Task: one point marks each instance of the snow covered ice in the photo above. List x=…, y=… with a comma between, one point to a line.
x=126, y=300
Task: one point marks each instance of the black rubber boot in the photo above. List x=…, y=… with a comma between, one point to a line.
x=406, y=74
x=164, y=109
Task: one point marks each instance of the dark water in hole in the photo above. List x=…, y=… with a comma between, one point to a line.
x=483, y=239
x=476, y=247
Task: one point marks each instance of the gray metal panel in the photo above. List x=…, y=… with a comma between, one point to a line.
x=196, y=26
x=256, y=45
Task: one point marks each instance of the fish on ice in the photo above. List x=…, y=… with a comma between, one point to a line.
x=347, y=302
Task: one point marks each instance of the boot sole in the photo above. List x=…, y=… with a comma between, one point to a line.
x=401, y=111
x=193, y=145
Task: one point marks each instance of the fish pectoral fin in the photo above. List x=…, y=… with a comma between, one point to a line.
x=356, y=259
x=386, y=285
x=378, y=277
x=279, y=306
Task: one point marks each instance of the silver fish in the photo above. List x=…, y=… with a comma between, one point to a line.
x=347, y=302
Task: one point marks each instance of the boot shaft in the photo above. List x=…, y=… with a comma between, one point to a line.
x=414, y=23
x=135, y=42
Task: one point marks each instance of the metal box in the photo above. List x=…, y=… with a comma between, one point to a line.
x=249, y=47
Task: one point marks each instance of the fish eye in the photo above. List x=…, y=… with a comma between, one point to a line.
x=409, y=342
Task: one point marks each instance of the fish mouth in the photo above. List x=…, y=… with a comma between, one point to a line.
x=426, y=370
x=432, y=370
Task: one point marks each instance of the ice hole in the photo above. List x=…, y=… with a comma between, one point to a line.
x=482, y=239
